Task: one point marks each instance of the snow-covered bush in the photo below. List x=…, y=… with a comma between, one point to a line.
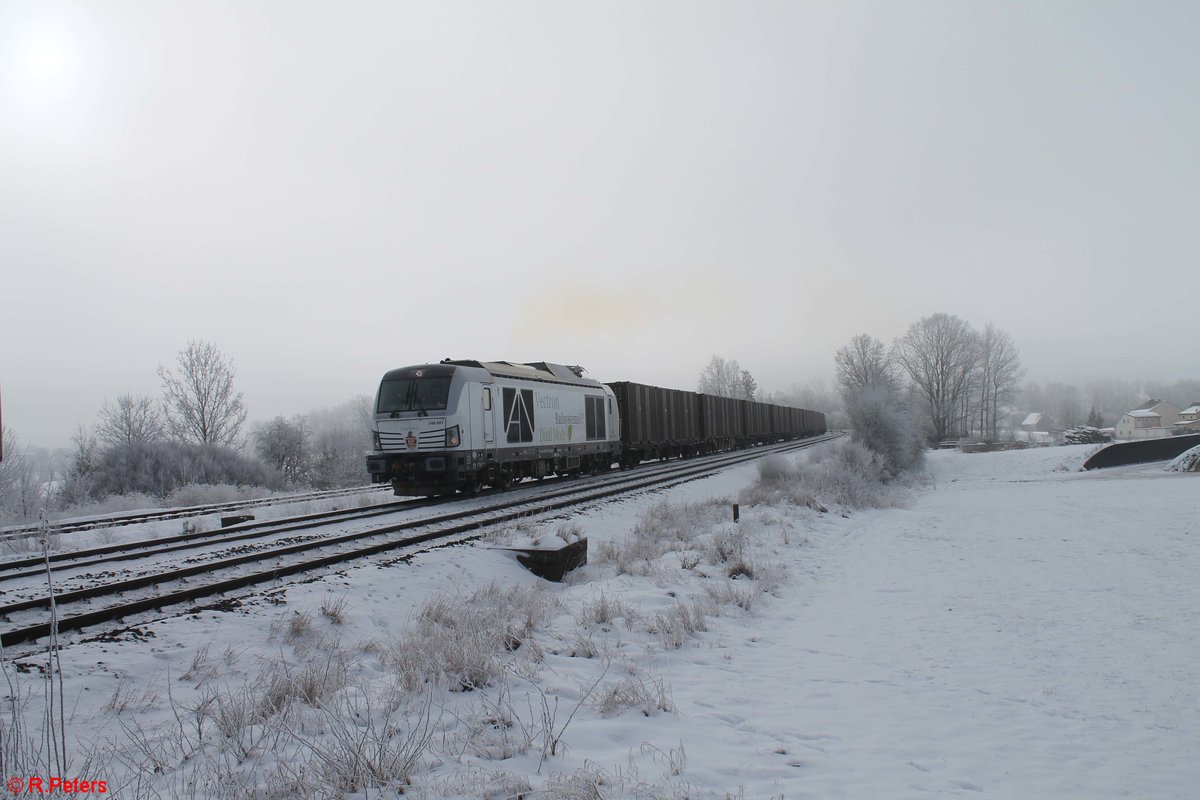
x=853, y=476
x=847, y=474
x=461, y=642
x=160, y=468
x=663, y=528
x=884, y=424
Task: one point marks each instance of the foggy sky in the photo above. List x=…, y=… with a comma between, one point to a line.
x=329, y=190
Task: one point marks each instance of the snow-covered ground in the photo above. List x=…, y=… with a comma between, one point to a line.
x=1015, y=630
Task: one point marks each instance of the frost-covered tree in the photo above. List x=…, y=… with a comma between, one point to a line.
x=999, y=375
x=939, y=354
x=720, y=377
x=8, y=470
x=727, y=379
x=863, y=362
x=748, y=385
x=199, y=402
x=340, y=437
x=286, y=445
x=130, y=420
x=1067, y=405
x=21, y=495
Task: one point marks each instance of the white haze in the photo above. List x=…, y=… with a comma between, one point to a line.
x=326, y=191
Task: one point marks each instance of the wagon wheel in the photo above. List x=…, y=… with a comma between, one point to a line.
x=473, y=485
x=506, y=479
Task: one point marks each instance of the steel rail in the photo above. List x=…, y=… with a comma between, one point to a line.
x=34, y=566
x=78, y=525
x=445, y=525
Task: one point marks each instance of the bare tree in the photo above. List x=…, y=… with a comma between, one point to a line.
x=9, y=470
x=77, y=483
x=286, y=445
x=1068, y=403
x=365, y=410
x=720, y=377
x=131, y=420
x=939, y=354
x=864, y=362
x=747, y=384
x=21, y=493
x=340, y=437
x=727, y=379
x=199, y=402
x=1000, y=371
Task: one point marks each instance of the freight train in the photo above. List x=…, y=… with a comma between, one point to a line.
x=463, y=425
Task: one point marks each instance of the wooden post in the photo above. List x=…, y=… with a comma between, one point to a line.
x=735, y=512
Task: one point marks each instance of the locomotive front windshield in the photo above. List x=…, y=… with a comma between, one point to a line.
x=414, y=394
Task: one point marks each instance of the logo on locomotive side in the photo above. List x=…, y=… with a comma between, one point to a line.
x=410, y=441
x=518, y=414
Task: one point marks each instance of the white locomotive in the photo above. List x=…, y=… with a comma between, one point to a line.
x=461, y=425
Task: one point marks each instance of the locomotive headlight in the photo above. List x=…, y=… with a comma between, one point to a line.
x=378, y=442
x=452, y=439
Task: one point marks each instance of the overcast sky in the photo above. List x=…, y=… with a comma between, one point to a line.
x=329, y=190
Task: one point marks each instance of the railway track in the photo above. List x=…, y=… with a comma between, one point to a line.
x=112, y=598
x=184, y=512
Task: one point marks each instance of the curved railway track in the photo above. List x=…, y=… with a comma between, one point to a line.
x=110, y=597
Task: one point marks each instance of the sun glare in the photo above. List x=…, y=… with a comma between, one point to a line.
x=43, y=64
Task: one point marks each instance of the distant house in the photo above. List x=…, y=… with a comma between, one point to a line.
x=1038, y=428
x=1151, y=420
x=1189, y=419
x=1037, y=421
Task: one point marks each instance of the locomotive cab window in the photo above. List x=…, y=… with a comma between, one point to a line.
x=594, y=414
x=487, y=398
x=414, y=394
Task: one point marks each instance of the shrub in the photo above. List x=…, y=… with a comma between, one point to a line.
x=462, y=641
x=647, y=694
x=884, y=424
x=160, y=468
x=848, y=475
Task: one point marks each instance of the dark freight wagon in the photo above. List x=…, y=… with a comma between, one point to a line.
x=721, y=424
x=657, y=422
x=757, y=418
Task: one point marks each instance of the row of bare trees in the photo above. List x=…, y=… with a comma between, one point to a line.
x=193, y=434
x=960, y=377
x=199, y=404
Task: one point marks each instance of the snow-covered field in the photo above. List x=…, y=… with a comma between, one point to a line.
x=1014, y=630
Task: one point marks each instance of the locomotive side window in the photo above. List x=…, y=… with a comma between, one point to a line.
x=414, y=394
x=487, y=398
x=594, y=414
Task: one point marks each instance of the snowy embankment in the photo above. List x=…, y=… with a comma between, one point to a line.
x=1012, y=629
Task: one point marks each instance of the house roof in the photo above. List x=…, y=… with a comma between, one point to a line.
x=1149, y=404
x=1137, y=412
x=1192, y=409
x=1032, y=419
